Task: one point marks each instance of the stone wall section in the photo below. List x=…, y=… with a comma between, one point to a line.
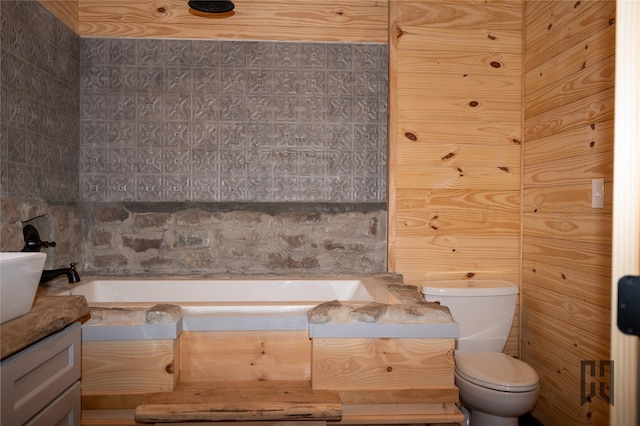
x=55, y=221
x=191, y=240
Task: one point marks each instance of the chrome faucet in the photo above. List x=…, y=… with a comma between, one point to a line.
x=70, y=272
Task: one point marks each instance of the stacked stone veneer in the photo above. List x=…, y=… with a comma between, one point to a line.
x=184, y=240
x=55, y=221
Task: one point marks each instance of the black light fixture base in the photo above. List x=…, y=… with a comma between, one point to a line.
x=211, y=6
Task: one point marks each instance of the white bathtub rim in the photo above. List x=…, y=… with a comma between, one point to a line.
x=375, y=290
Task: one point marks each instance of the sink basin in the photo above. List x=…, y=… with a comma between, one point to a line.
x=19, y=278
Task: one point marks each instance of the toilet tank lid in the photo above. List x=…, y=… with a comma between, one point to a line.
x=468, y=288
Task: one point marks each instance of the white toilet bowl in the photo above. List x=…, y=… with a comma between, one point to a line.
x=496, y=388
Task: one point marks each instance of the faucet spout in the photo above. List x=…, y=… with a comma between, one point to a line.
x=70, y=272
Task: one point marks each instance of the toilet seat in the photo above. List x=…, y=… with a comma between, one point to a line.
x=497, y=371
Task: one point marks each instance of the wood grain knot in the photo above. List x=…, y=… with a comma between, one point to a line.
x=576, y=4
x=161, y=10
x=495, y=64
x=592, y=144
x=449, y=156
x=339, y=12
x=411, y=136
x=491, y=37
x=389, y=369
x=504, y=169
x=516, y=141
x=612, y=21
x=169, y=368
x=474, y=104
x=471, y=274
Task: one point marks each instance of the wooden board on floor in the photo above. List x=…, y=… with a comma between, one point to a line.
x=240, y=401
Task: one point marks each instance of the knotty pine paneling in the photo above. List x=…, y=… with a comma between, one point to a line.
x=585, y=227
x=566, y=198
x=595, y=258
x=566, y=247
x=585, y=140
x=589, y=80
x=455, y=141
x=581, y=284
x=561, y=25
x=559, y=369
x=290, y=20
x=576, y=58
x=590, y=111
x=569, y=170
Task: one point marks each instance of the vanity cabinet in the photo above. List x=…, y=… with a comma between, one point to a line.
x=41, y=383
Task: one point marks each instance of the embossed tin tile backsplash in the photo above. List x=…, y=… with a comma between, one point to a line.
x=39, y=123
x=191, y=120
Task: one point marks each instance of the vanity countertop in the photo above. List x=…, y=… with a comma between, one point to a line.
x=48, y=315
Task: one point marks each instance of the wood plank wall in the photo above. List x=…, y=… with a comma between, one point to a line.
x=455, y=141
x=299, y=20
x=569, y=88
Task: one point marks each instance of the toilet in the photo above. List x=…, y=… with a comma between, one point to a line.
x=495, y=387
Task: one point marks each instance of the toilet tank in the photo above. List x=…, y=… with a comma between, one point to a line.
x=484, y=310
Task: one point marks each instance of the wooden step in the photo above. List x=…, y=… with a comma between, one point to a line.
x=240, y=401
x=270, y=402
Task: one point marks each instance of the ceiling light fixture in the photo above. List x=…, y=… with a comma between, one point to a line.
x=211, y=6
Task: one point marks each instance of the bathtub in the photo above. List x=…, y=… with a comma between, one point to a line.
x=147, y=335
x=256, y=292
x=120, y=306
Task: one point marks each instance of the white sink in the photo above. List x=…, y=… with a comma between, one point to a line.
x=19, y=278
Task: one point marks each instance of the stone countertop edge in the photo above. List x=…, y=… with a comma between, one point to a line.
x=405, y=315
x=48, y=316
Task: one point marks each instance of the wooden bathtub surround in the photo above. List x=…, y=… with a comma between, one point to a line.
x=264, y=376
x=371, y=375
x=386, y=379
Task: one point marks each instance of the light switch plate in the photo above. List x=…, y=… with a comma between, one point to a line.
x=597, y=193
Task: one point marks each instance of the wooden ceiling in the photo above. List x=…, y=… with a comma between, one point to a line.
x=298, y=20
